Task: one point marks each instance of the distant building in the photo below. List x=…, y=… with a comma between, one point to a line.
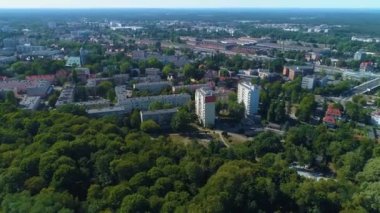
x=7, y=59
x=27, y=48
x=249, y=95
x=94, y=104
x=359, y=55
x=367, y=67
x=292, y=72
x=332, y=115
x=312, y=56
x=93, y=82
x=10, y=43
x=375, y=117
x=120, y=79
x=73, y=62
x=117, y=110
x=205, y=106
x=30, y=103
x=42, y=89
x=143, y=103
x=192, y=87
x=152, y=71
x=149, y=78
x=32, y=88
x=308, y=82
x=66, y=97
x=161, y=117
x=153, y=87
x=122, y=94
x=49, y=78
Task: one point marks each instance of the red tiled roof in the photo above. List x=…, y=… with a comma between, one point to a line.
x=332, y=111
x=40, y=77
x=329, y=120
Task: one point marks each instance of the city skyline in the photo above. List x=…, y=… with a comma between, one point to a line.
x=190, y=4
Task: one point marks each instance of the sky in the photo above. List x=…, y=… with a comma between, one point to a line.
x=189, y=3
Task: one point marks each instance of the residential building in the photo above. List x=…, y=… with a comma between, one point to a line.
x=93, y=82
x=27, y=48
x=161, y=117
x=375, y=117
x=149, y=78
x=332, y=115
x=249, y=95
x=359, y=55
x=152, y=71
x=73, y=62
x=49, y=78
x=205, y=106
x=32, y=88
x=122, y=94
x=308, y=82
x=94, y=104
x=153, y=87
x=292, y=72
x=10, y=43
x=117, y=110
x=30, y=103
x=192, y=87
x=66, y=96
x=7, y=59
x=120, y=79
x=41, y=89
x=367, y=66
x=143, y=103
x=312, y=56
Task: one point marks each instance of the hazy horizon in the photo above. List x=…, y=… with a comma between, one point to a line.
x=194, y=4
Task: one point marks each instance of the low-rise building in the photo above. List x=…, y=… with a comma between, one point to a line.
x=375, y=117
x=73, y=62
x=107, y=111
x=152, y=71
x=122, y=94
x=332, y=115
x=191, y=87
x=143, y=103
x=94, y=104
x=205, y=101
x=32, y=88
x=66, y=97
x=150, y=78
x=30, y=103
x=42, y=89
x=7, y=59
x=292, y=72
x=120, y=79
x=367, y=66
x=153, y=87
x=161, y=117
x=27, y=48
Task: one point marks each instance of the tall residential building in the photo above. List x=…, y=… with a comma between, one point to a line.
x=308, y=82
x=249, y=95
x=359, y=55
x=205, y=106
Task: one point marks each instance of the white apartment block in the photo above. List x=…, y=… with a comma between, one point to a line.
x=153, y=87
x=308, y=82
x=205, y=106
x=249, y=95
x=143, y=103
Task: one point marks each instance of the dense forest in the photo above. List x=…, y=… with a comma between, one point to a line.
x=66, y=162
